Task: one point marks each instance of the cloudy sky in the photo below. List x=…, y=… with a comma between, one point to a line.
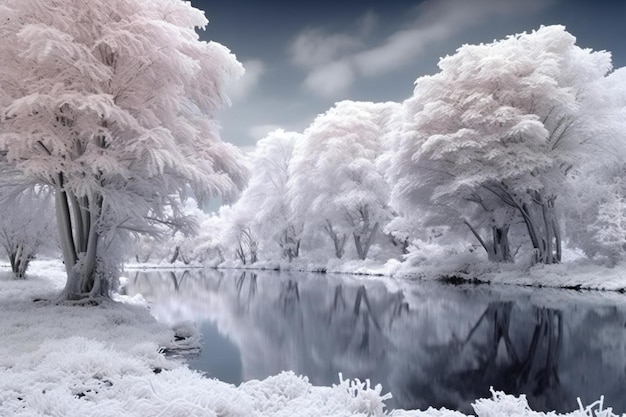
x=301, y=57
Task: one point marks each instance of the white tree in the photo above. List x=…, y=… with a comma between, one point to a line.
x=208, y=246
x=597, y=224
x=336, y=183
x=239, y=237
x=174, y=246
x=596, y=207
x=266, y=200
x=111, y=104
x=495, y=133
x=26, y=226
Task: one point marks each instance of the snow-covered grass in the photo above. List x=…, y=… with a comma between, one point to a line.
x=576, y=272
x=106, y=360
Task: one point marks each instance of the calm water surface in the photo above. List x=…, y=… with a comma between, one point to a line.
x=429, y=344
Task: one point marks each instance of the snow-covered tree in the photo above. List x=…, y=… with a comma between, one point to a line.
x=111, y=105
x=336, y=183
x=596, y=207
x=175, y=246
x=494, y=134
x=234, y=236
x=266, y=199
x=207, y=247
x=26, y=226
x=609, y=228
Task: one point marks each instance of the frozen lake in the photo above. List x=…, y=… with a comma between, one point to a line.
x=427, y=343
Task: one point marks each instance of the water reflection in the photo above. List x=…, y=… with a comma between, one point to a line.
x=427, y=343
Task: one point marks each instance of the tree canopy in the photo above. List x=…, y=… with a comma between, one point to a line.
x=495, y=133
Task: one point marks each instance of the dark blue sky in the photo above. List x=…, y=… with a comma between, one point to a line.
x=301, y=57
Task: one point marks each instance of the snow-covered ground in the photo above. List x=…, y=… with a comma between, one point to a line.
x=575, y=272
x=106, y=360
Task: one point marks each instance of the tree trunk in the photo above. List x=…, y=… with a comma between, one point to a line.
x=20, y=258
x=289, y=243
x=501, y=251
x=363, y=247
x=403, y=244
x=339, y=241
x=543, y=229
x=76, y=221
x=539, y=217
x=548, y=234
x=247, y=245
x=64, y=224
x=175, y=256
x=498, y=250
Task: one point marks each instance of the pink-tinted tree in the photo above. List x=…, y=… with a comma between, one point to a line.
x=111, y=105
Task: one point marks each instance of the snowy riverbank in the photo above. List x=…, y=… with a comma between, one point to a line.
x=105, y=360
x=576, y=272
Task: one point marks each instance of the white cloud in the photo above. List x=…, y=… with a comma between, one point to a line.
x=330, y=80
x=400, y=49
x=241, y=88
x=314, y=47
x=334, y=61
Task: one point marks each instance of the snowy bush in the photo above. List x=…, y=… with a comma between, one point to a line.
x=26, y=227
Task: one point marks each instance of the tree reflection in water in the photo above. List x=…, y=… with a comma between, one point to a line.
x=537, y=369
x=246, y=288
x=289, y=296
x=429, y=344
x=502, y=353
